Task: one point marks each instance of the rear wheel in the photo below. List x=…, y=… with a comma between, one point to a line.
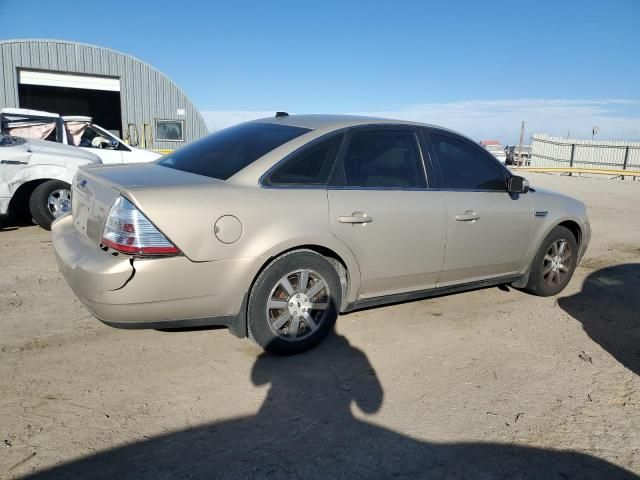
x=554, y=264
x=294, y=303
x=50, y=200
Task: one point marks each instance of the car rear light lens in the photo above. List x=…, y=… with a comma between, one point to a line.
x=127, y=230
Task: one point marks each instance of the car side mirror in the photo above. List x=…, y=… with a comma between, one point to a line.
x=517, y=184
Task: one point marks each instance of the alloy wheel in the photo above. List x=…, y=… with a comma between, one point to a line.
x=557, y=262
x=297, y=304
x=59, y=202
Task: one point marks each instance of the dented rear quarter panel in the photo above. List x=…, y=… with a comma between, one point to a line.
x=185, y=208
x=273, y=221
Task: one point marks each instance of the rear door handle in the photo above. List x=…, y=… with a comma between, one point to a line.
x=468, y=216
x=356, y=217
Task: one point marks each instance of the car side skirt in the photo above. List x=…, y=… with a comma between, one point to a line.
x=237, y=323
x=429, y=293
x=223, y=320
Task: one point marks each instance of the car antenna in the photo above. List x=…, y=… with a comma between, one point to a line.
x=281, y=114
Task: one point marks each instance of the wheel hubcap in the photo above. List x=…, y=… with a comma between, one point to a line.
x=297, y=304
x=556, y=263
x=59, y=202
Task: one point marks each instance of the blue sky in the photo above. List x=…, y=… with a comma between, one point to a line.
x=478, y=66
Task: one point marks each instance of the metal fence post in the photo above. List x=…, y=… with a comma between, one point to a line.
x=573, y=151
x=626, y=160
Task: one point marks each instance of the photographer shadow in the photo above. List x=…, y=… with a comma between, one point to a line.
x=305, y=429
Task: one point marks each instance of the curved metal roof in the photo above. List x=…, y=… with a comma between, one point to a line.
x=147, y=94
x=90, y=45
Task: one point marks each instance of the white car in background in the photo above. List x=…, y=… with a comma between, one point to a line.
x=36, y=176
x=498, y=152
x=78, y=131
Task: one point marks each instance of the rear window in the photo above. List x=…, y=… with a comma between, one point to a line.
x=224, y=153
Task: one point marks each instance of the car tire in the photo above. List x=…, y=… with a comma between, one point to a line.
x=285, y=316
x=49, y=201
x=554, y=263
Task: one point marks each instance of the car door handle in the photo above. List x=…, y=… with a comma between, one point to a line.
x=468, y=216
x=356, y=217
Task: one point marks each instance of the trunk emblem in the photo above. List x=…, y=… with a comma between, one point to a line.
x=82, y=183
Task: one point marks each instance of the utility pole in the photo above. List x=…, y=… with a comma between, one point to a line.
x=520, y=144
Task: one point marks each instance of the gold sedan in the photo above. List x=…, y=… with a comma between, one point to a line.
x=275, y=226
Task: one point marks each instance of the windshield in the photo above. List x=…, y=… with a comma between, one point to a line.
x=224, y=153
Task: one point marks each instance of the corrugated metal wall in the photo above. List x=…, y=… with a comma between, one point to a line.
x=549, y=151
x=145, y=93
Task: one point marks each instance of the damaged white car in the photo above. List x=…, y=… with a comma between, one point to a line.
x=36, y=176
x=78, y=131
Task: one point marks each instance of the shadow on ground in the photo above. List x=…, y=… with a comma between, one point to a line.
x=305, y=430
x=609, y=309
x=11, y=222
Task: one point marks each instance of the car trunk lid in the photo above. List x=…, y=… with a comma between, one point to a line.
x=96, y=188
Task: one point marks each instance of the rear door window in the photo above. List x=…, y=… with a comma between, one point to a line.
x=465, y=166
x=383, y=159
x=224, y=153
x=312, y=166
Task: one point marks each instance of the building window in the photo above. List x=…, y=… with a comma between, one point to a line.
x=170, y=130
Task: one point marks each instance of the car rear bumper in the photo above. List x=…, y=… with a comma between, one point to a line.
x=168, y=292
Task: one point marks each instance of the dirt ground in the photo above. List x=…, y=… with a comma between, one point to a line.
x=487, y=384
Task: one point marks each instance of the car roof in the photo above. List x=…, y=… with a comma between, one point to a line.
x=328, y=123
x=77, y=118
x=323, y=121
x=27, y=112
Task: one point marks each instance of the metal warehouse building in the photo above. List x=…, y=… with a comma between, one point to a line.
x=122, y=94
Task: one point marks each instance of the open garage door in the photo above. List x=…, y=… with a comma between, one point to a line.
x=72, y=94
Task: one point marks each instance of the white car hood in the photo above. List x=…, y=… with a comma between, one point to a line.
x=145, y=155
x=56, y=152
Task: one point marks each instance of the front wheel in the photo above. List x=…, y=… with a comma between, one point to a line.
x=554, y=264
x=50, y=200
x=294, y=303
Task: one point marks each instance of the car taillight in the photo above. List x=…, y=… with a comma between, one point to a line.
x=127, y=230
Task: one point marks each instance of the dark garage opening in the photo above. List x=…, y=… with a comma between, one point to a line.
x=103, y=106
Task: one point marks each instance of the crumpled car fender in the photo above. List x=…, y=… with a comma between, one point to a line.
x=37, y=172
x=24, y=160
x=9, y=186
